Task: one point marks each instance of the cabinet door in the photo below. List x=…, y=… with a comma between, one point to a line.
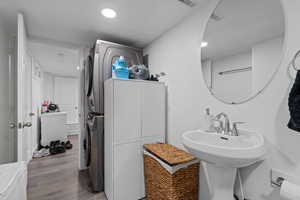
x=153, y=105
x=127, y=112
x=128, y=172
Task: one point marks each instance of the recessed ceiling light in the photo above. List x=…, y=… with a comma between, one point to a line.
x=78, y=68
x=109, y=13
x=204, y=44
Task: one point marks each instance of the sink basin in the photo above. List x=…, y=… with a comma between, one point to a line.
x=231, y=151
x=222, y=155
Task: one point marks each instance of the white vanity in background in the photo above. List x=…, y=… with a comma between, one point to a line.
x=53, y=127
x=135, y=114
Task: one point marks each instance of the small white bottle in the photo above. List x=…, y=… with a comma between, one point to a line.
x=208, y=121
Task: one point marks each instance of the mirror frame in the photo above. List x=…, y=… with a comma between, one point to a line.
x=284, y=47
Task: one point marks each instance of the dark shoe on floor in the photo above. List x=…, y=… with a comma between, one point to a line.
x=53, y=143
x=68, y=145
x=60, y=149
x=56, y=147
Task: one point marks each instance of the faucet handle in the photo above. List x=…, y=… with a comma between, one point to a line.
x=218, y=125
x=234, y=124
x=234, y=130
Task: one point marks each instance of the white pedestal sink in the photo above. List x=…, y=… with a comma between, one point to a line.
x=223, y=155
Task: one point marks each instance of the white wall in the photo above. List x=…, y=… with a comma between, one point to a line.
x=48, y=87
x=233, y=87
x=67, y=97
x=178, y=54
x=64, y=92
x=4, y=95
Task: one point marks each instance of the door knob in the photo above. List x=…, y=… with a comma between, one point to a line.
x=27, y=124
x=12, y=125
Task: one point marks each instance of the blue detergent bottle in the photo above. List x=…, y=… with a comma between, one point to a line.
x=120, y=69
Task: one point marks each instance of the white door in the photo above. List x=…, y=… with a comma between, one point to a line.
x=27, y=101
x=7, y=99
x=67, y=97
x=23, y=118
x=12, y=98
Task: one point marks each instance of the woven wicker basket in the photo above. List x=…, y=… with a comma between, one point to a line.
x=162, y=185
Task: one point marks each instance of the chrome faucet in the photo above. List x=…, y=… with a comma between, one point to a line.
x=226, y=125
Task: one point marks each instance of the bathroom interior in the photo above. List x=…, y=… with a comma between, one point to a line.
x=149, y=99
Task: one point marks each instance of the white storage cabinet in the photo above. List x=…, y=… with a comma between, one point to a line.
x=135, y=114
x=53, y=127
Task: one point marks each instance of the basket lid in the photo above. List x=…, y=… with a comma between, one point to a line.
x=169, y=153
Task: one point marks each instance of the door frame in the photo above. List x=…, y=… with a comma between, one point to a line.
x=20, y=70
x=28, y=97
x=35, y=109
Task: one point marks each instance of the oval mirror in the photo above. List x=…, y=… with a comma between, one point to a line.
x=242, y=48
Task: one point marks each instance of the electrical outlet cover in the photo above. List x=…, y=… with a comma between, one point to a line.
x=276, y=173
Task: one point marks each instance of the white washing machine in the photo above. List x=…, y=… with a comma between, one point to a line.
x=13, y=181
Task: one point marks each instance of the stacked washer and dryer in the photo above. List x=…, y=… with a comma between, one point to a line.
x=97, y=70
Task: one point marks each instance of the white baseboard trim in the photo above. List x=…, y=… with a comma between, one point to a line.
x=74, y=133
x=73, y=128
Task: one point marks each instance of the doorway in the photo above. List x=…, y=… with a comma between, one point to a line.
x=55, y=92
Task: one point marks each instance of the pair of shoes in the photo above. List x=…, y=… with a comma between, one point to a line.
x=56, y=147
x=68, y=145
x=53, y=143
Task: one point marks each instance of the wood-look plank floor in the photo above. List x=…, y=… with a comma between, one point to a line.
x=58, y=178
